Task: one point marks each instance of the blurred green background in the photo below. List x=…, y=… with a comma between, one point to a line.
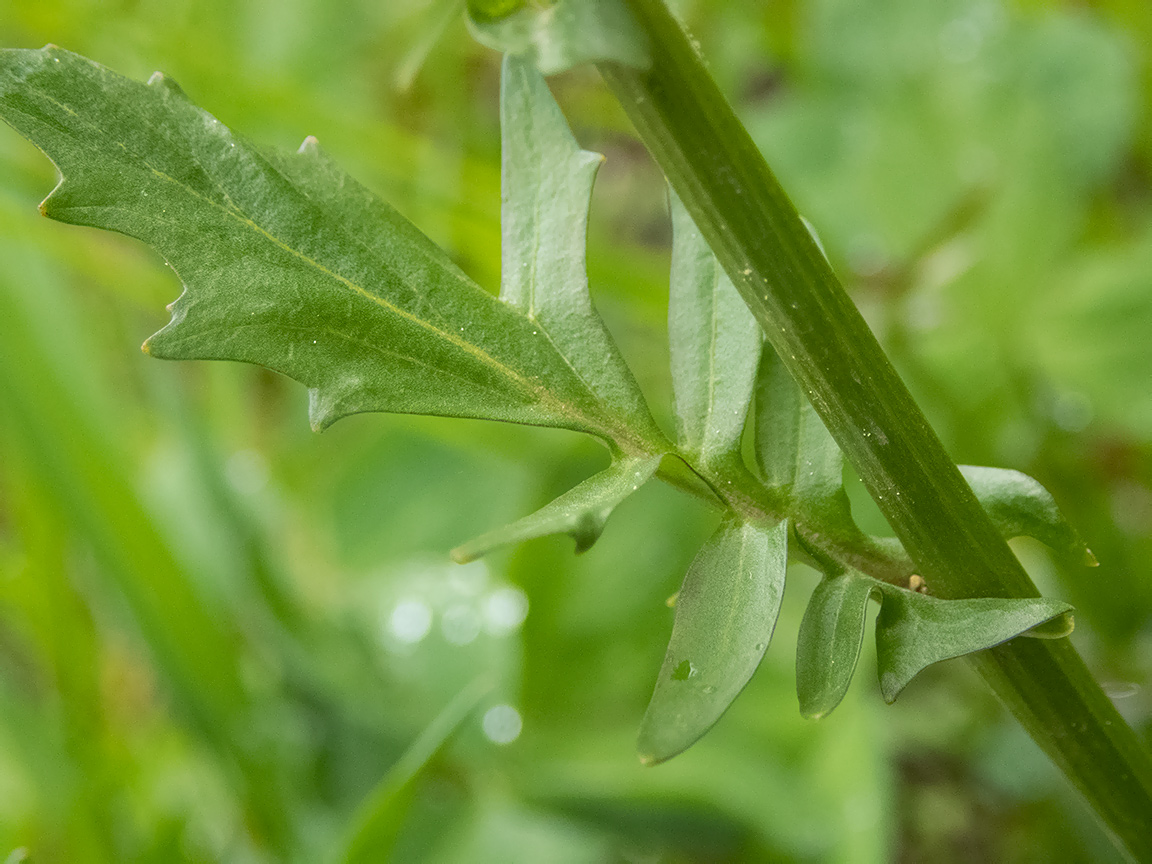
x=219, y=632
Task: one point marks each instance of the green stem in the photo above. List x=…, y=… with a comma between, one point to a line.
x=768, y=252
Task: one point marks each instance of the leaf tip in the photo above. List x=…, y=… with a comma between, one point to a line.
x=146, y=348
x=1090, y=559
x=465, y=554
x=310, y=146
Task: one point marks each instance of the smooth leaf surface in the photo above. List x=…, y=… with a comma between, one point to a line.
x=828, y=645
x=546, y=187
x=557, y=36
x=914, y=631
x=714, y=344
x=581, y=511
x=286, y=261
x=794, y=450
x=1019, y=505
x=725, y=614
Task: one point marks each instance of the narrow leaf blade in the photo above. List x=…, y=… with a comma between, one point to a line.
x=725, y=614
x=1018, y=505
x=546, y=188
x=795, y=452
x=581, y=511
x=714, y=343
x=286, y=261
x=828, y=646
x=379, y=819
x=914, y=630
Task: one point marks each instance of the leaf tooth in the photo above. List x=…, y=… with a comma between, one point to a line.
x=162, y=82
x=310, y=146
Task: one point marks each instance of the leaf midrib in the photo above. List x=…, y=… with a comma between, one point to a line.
x=622, y=435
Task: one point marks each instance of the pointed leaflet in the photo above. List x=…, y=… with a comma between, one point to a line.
x=546, y=187
x=558, y=35
x=914, y=631
x=725, y=614
x=286, y=261
x=714, y=343
x=795, y=451
x=1019, y=505
x=580, y=512
x=828, y=646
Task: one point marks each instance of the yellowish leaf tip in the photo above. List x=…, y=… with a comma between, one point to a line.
x=461, y=555
x=146, y=347
x=309, y=146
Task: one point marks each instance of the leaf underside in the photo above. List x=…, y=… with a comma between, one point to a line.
x=725, y=614
x=913, y=631
x=580, y=512
x=286, y=261
x=714, y=343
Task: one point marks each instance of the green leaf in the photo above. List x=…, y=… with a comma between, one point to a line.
x=1019, y=505
x=581, y=511
x=725, y=614
x=914, y=631
x=286, y=261
x=546, y=182
x=559, y=35
x=794, y=451
x=828, y=646
x=715, y=347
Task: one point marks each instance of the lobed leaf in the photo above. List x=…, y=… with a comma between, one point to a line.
x=914, y=631
x=286, y=261
x=1018, y=505
x=725, y=614
x=828, y=645
x=715, y=346
x=546, y=187
x=556, y=36
x=581, y=511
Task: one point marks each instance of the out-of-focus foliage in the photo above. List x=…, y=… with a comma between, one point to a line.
x=220, y=633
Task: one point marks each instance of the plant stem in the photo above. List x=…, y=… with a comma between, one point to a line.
x=766, y=249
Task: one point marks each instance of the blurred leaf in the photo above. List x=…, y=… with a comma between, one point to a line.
x=436, y=20
x=914, y=631
x=580, y=512
x=1019, y=506
x=828, y=645
x=546, y=184
x=725, y=614
x=559, y=35
x=715, y=347
x=380, y=818
x=287, y=262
